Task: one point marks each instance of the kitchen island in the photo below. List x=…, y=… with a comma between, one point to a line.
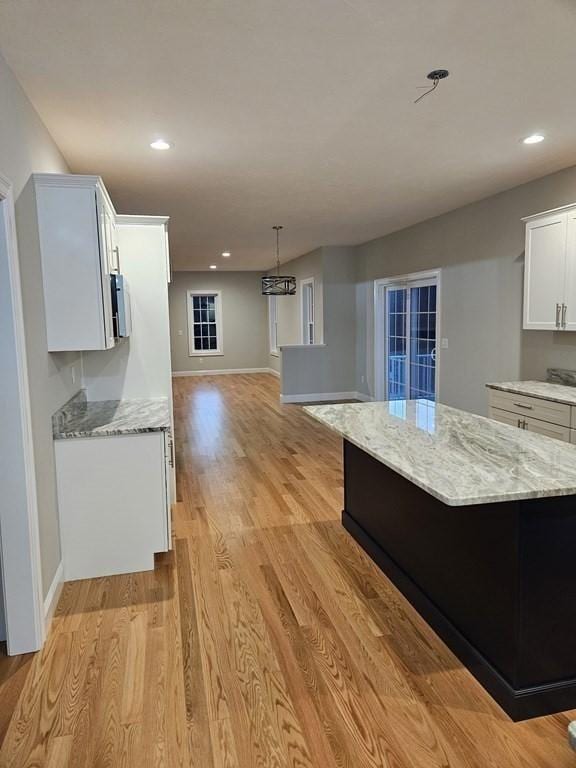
x=475, y=522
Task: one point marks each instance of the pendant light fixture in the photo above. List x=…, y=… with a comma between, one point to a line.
x=278, y=285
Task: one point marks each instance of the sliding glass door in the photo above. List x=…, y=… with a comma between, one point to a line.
x=409, y=319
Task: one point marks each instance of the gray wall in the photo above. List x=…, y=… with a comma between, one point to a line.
x=26, y=147
x=480, y=249
x=244, y=320
x=330, y=368
x=289, y=307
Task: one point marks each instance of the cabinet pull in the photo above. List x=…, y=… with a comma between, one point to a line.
x=521, y=405
x=171, y=453
x=564, y=308
x=519, y=423
x=558, y=310
x=116, y=269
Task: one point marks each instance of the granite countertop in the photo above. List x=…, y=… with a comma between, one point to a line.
x=558, y=393
x=458, y=457
x=82, y=418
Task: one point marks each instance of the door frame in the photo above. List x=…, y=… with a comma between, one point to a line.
x=307, y=281
x=380, y=351
x=19, y=531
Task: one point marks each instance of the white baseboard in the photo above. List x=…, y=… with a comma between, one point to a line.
x=273, y=372
x=364, y=398
x=51, y=600
x=224, y=372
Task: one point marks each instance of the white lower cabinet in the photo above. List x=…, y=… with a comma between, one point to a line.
x=534, y=414
x=113, y=503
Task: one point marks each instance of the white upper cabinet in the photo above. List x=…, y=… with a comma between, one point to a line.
x=550, y=271
x=76, y=232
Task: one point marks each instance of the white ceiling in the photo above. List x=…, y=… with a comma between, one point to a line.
x=297, y=112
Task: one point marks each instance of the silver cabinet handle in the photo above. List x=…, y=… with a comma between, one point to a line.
x=558, y=309
x=521, y=405
x=564, y=308
x=171, y=452
x=116, y=250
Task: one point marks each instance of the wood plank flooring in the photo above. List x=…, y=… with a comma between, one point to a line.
x=266, y=639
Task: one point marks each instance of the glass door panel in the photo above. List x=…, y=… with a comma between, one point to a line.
x=422, y=376
x=396, y=324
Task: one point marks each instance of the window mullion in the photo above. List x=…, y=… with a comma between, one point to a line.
x=408, y=341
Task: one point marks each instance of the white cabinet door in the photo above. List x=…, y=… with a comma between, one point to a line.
x=107, y=242
x=544, y=272
x=111, y=502
x=75, y=266
x=110, y=244
x=550, y=430
x=168, y=470
x=569, y=310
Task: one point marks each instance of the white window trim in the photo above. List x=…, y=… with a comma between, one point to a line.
x=303, y=336
x=219, y=331
x=273, y=326
x=380, y=382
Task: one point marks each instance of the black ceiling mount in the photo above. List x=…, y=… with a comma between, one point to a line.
x=436, y=75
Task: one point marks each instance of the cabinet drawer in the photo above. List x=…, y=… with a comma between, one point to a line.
x=550, y=430
x=573, y=436
x=534, y=407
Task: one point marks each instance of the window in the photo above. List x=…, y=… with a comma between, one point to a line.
x=273, y=324
x=204, y=323
x=307, y=307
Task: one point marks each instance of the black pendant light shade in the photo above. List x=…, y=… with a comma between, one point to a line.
x=278, y=285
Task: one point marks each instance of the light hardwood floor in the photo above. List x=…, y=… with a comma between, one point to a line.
x=266, y=639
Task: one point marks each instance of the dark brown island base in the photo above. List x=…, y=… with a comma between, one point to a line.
x=475, y=523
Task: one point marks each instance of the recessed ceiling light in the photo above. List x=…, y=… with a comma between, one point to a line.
x=535, y=138
x=226, y=254
x=213, y=266
x=161, y=144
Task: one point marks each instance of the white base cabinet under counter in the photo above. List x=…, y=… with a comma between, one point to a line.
x=546, y=408
x=113, y=472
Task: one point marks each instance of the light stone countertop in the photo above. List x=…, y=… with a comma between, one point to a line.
x=558, y=393
x=458, y=457
x=102, y=418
